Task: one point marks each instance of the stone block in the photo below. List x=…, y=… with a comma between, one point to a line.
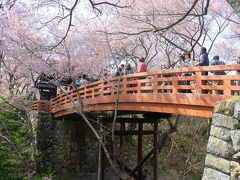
x=49, y=164
x=64, y=170
x=235, y=135
x=60, y=156
x=224, y=121
x=50, y=150
x=236, y=157
x=235, y=170
x=218, y=163
x=211, y=174
x=225, y=107
x=237, y=110
x=220, y=148
x=221, y=133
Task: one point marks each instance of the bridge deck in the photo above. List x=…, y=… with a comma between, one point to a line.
x=162, y=91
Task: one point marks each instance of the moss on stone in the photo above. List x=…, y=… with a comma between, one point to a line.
x=225, y=107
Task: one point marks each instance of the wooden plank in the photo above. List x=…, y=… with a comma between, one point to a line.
x=179, y=98
x=191, y=110
x=128, y=133
x=130, y=120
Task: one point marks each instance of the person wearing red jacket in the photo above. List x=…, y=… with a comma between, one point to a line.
x=141, y=67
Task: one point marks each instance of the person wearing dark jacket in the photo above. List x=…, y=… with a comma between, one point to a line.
x=119, y=72
x=203, y=59
x=216, y=62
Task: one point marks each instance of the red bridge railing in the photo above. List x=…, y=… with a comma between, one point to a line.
x=41, y=106
x=160, y=91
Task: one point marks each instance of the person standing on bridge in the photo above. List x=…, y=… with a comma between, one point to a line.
x=119, y=72
x=216, y=62
x=203, y=59
x=77, y=82
x=141, y=67
x=128, y=69
x=84, y=80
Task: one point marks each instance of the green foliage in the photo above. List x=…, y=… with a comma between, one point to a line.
x=11, y=165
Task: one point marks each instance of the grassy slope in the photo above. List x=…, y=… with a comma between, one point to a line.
x=11, y=165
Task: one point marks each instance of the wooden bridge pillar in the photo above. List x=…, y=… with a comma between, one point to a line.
x=139, y=158
x=122, y=147
x=101, y=155
x=140, y=132
x=155, y=143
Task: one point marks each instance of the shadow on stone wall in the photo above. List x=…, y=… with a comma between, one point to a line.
x=64, y=146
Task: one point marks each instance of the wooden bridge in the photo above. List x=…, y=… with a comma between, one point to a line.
x=167, y=91
x=162, y=92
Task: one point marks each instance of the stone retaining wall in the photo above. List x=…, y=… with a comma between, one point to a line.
x=64, y=146
x=223, y=149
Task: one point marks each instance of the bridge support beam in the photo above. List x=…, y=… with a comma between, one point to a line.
x=139, y=158
x=155, y=157
x=122, y=133
x=101, y=156
x=122, y=147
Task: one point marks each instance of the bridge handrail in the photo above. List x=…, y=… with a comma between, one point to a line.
x=157, y=82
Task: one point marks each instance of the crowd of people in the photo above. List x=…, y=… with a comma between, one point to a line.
x=127, y=69
x=185, y=60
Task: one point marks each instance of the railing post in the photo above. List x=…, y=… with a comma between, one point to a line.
x=198, y=85
x=174, y=85
x=124, y=86
x=85, y=93
x=93, y=92
x=102, y=89
x=227, y=87
x=138, y=87
x=155, y=84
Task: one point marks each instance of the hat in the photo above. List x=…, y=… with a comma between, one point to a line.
x=204, y=50
x=142, y=59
